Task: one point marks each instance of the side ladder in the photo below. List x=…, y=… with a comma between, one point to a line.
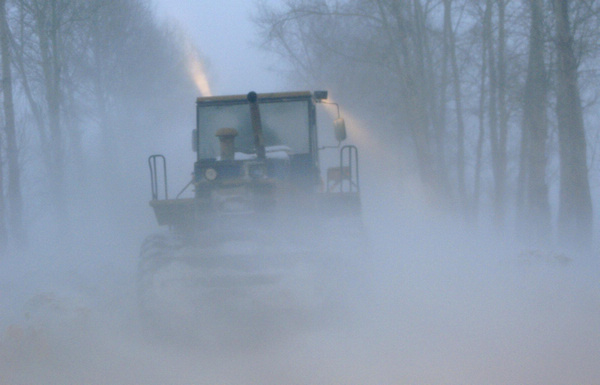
x=345, y=178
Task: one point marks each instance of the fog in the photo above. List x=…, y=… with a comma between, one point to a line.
x=427, y=299
x=435, y=303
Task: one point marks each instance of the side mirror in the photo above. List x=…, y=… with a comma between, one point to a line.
x=195, y=140
x=339, y=129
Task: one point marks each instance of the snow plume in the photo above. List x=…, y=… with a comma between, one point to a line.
x=195, y=66
x=358, y=131
x=385, y=158
x=430, y=302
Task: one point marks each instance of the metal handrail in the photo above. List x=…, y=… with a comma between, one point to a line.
x=352, y=156
x=152, y=163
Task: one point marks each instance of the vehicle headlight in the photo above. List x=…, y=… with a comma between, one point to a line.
x=210, y=174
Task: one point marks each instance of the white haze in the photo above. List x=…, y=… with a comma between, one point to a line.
x=435, y=302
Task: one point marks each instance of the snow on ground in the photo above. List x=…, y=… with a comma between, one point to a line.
x=435, y=305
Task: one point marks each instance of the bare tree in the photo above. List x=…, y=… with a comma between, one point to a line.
x=15, y=203
x=481, y=112
x=407, y=54
x=502, y=113
x=3, y=230
x=575, y=217
x=449, y=40
x=382, y=39
x=88, y=65
x=534, y=207
x=49, y=22
x=497, y=114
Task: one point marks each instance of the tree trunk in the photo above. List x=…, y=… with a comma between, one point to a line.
x=428, y=108
x=481, y=115
x=460, y=135
x=48, y=27
x=493, y=118
x=3, y=232
x=20, y=59
x=535, y=217
x=575, y=219
x=440, y=130
x=502, y=113
x=437, y=111
x=15, y=203
x=409, y=63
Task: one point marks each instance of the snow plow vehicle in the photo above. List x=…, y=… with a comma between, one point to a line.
x=261, y=241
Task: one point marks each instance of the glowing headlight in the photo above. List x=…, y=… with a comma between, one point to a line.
x=210, y=174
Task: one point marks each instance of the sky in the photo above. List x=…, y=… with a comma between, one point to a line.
x=226, y=37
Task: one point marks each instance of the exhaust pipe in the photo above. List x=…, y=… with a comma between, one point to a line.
x=256, y=125
x=226, y=138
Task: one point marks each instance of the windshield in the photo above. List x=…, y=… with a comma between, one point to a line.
x=284, y=123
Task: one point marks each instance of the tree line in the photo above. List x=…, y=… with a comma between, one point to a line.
x=75, y=72
x=493, y=100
